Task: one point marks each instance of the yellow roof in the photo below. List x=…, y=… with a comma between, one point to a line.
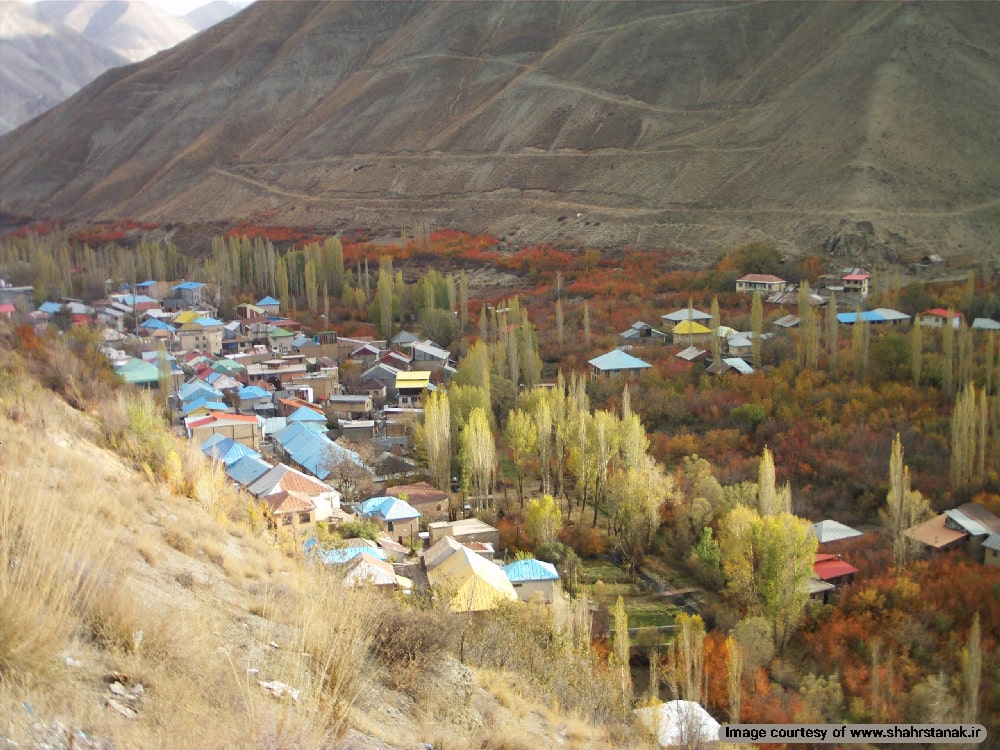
x=187, y=317
x=691, y=327
x=415, y=379
x=472, y=583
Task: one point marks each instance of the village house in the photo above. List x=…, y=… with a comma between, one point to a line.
x=429, y=500
x=411, y=387
x=269, y=306
x=765, y=283
x=288, y=508
x=936, y=317
x=348, y=407
x=639, y=331
x=679, y=316
x=428, y=356
x=471, y=584
x=242, y=428
x=616, y=363
x=394, y=516
x=191, y=292
x=692, y=333
x=464, y=530
x=533, y=579
x=284, y=478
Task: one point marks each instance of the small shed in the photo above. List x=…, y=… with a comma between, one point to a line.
x=532, y=577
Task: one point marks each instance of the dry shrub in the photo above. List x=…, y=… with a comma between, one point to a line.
x=333, y=624
x=181, y=540
x=48, y=574
x=557, y=667
x=408, y=638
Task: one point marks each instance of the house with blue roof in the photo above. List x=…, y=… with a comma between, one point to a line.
x=51, y=308
x=305, y=414
x=196, y=389
x=190, y=291
x=228, y=451
x=269, y=305
x=533, y=578
x=616, y=362
x=339, y=555
x=247, y=469
x=301, y=444
x=203, y=406
x=394, y=516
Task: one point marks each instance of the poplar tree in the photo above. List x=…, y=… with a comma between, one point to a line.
x=686, y=659
x=832, y=333
x=478, y=456
x=904, y=507
x=586, y=325
x=621, y=653
x=963, y=439
x=543, y=441
x=734, y=678
x=716, y=340
x=756, y=327
x=916, y=352
x=463, y=299
x=521, y=435
x=559, y=323
x=972, y=669
x=383, y=293
x=948, y=349
x=437, y=437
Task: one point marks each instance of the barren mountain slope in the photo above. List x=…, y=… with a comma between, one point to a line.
x=698, y=125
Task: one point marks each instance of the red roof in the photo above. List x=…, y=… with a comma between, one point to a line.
x=7, y=308
x=835, y=568
x=223, y=418
x=857, y=276
x=940, y=312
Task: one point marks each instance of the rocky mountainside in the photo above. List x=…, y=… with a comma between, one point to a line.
x=43, y=63
x=814, y=126
x=132, y=28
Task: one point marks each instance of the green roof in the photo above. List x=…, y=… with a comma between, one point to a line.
x=137, y=372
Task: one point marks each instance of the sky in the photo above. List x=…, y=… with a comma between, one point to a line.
x=180, y=7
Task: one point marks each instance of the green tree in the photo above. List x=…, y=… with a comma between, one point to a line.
x=756, y=327
x=542, y=520
x=437, y=437
x=522, y=441
x=916, y=353
x=832, y=333
x=479, y=457
x=904, y=507
x=768, y=562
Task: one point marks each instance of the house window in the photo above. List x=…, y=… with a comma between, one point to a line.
x=389, y=527
x=303, y=518
x=286, y=520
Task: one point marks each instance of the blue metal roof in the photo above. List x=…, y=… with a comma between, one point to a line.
x=252, y=391
x=530, y=570
x=247, y=469
x=268, y=301
x=618, y=360
x=387, y=508
x=305, y=414
x=188, y=285
x=157, y=325
x=50, y=307
x=229, y=451
x=203, y=402
x=206, y=322
x=341, y=555
x=198, y=389
x=992, y=542
x=146, y=284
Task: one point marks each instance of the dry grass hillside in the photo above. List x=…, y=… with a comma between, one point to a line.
x=141, y=607
x=695, y=125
